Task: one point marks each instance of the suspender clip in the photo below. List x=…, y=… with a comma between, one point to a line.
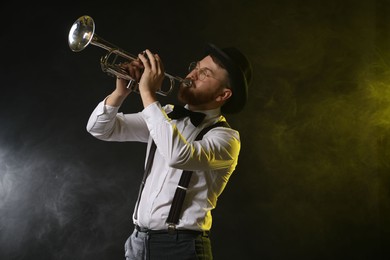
x=171, y=228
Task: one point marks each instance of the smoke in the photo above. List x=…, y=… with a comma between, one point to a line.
x=313, y=173
x=316, y=130
x=55, y=206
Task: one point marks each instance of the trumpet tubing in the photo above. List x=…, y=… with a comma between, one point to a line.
x=82, y=34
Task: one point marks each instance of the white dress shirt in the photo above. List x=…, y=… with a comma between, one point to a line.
x=212, y=160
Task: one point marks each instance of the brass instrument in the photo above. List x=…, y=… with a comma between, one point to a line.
x=82, y=33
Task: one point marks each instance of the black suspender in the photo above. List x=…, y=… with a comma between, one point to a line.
x=181, y=190
x=148, y=167
x=180, y=193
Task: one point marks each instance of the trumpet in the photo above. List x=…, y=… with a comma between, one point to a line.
x=82, y=33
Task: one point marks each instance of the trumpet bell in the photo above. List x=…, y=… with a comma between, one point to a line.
x=81, y=33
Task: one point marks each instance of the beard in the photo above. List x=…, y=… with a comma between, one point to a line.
x=189, y=95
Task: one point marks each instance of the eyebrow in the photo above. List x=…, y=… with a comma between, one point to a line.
x=205, y=68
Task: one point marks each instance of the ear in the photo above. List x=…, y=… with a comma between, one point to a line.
x=225, y=95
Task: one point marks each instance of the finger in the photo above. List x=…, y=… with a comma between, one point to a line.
x=138, y=73
x=123, y=68
x=152, y=60
x=123, y=65
x=159, y=64
x=138, y=63
x=132, y=71
x=144, y=60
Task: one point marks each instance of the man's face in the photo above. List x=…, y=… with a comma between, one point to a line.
x=205, y=88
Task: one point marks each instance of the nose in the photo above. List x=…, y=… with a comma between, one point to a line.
x=193, y=74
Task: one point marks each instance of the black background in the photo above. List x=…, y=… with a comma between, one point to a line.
x=313, y=176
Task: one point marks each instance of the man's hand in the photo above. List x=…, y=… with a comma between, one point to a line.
x=134, y=69
x=152, y=77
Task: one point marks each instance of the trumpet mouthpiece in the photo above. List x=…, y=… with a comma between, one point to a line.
x=187, y=83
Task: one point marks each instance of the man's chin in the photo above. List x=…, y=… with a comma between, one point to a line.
x=183, y=95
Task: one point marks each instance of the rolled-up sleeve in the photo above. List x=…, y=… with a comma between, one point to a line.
x=106, y=123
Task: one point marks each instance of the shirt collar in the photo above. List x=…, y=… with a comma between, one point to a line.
x=212, y=113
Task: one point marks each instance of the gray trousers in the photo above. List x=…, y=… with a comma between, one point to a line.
x=160, y=246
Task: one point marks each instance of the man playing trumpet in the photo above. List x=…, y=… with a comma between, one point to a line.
x=187, y=167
